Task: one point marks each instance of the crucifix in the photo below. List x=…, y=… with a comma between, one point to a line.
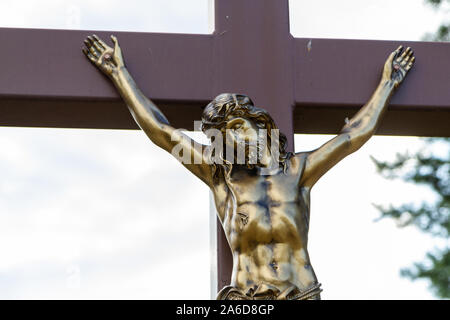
x=307, y=85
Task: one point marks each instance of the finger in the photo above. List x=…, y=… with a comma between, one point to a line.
x=100, y=41
x=408, y=58
x=117, y=50
x=410, y=51
x=398, y=51
x=90, y=46
x=94, y=51
x=95, y=46
x=405, y=53
x=401, y=54
x=116, y=42
x=410, y=64
x=87, y=43
x=398, y=55
x=403, y=62
x=90, y=43
x=92, y=58
x=89, y=55
x=98, y=47
x=91, y=40
x=391, y=57
x=391, y=62
x=85, y=51
x=410, y=55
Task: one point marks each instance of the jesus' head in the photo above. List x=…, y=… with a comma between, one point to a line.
x=241, y=123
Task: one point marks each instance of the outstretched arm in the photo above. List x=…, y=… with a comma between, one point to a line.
x=364, y=124
x=147, y=115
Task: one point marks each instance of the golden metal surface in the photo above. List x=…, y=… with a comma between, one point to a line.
x=263, y=205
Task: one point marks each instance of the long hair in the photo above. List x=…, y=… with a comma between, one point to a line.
x=227, y=106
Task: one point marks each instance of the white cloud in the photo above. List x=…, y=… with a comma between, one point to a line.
x=368, y=19
x=354, y=257
x=104, y=206
x=131, y=15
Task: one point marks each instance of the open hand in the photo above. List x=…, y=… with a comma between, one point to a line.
x=107, y=59
x=397, y=65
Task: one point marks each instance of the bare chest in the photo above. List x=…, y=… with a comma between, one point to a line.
x=265, y=190
x=266, y=209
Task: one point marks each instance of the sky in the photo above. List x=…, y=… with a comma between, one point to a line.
x=105, y=214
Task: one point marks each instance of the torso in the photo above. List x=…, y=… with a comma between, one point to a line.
x=266, y=219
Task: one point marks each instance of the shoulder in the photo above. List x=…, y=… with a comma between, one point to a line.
x=299, y=164
x=298, y=160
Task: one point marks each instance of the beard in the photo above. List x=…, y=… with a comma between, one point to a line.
x=247, y=153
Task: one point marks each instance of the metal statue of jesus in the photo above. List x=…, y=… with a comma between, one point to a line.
x=263, y=202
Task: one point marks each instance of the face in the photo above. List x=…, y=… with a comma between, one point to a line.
x=242, y=133
x=241, y=130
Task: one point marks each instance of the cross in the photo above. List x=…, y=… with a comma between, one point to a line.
x=307, y=85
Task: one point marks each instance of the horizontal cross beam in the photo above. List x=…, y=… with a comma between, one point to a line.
x=334, y=78
x=46, y=81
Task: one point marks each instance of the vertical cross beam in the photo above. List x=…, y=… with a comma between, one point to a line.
x=254, y=56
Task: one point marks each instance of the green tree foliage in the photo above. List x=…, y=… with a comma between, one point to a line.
x=428, y=169
x=443, y=32
x=431, y=170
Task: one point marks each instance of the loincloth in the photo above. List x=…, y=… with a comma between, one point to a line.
x=291, y=293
